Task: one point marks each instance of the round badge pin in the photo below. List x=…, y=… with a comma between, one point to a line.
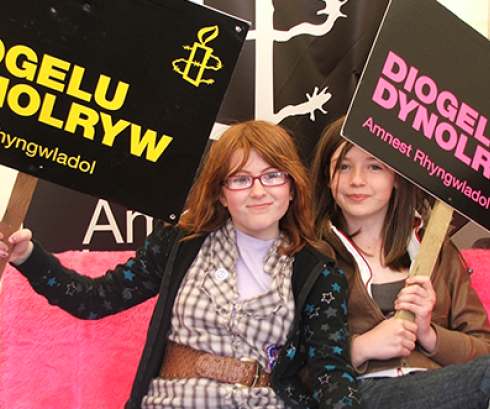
x=221, y=274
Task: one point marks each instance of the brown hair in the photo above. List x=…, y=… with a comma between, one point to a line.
x=204, y=212
x=399, y=220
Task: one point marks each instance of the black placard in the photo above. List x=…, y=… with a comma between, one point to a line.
x=422, y=104
x=114, y=99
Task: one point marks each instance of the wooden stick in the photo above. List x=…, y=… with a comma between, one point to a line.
x=16, y=210
x=430, y=247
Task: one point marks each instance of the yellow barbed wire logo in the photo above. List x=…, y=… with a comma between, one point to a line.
x=192, y=69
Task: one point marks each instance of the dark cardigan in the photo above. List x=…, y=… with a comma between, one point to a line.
x=164, y=260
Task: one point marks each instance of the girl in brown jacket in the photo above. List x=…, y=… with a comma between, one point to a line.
x=372, y=219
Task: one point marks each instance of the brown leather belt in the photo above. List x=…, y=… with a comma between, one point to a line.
x=184, y=362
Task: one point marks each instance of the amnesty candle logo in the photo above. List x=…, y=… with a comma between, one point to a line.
x=200, y=55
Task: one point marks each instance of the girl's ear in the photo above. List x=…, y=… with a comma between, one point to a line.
x=222, y=199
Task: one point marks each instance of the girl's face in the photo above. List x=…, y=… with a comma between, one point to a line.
x=256, y=211
x=361, y=185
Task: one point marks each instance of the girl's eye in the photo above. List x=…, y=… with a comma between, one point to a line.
x=239, y=179
x=272, y=175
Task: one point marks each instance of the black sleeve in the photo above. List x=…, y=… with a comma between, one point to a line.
x=325, y=317
x=119, y=289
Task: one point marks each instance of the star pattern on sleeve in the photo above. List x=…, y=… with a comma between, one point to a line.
x=149, y=285
x=349, y=377
x=331, y=312
x=144, y=266
x=346, y=401
x=289, y=390
x=327, y=297
x=96, y=296
x=127, y=294
x=73, y=288
x=324, y=379
x=340, y=335
x=353, y=394
x=308, y=333
x=335, y=385
x=291, y=352
x=52, y=282
x=344, y=307
x=128, y=275
x=325, y=350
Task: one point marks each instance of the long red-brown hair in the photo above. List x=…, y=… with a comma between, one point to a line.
x=204, y=212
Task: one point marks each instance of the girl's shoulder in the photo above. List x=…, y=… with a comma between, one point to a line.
x=310, y=264
x=313, y=255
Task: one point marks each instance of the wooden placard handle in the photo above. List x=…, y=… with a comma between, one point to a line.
x=16, y=210
x=431, y=244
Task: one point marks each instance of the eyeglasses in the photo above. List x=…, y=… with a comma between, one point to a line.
x=266, y=179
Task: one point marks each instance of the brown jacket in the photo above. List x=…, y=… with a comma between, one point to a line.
x=461, y=323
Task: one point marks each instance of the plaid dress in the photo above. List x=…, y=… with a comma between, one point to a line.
x=208, y=317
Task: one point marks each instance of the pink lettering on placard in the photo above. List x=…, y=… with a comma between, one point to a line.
x=447, y=143
x=459, y=153
x=447, y=105
x=482, y=124
x=449, y=180
x=406, y=106
x=395, y=67
x=482, y=159
x=466, y=118
x=425, y=122
x=426, y=89
x=385, y=94
x=439, y=115
x=411, y=77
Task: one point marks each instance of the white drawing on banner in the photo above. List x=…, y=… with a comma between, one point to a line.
x=265, y=36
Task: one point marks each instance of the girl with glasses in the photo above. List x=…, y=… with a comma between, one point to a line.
x=373, y=220
x=249, y=313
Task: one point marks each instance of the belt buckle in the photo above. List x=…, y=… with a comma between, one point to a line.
x=256, y=377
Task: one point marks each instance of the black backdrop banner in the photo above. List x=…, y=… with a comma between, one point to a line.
x=299, y=67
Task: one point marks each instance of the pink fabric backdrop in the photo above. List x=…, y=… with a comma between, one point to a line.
x=50, y=360
x=479, y=261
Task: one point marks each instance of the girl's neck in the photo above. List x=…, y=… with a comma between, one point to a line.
x=382, y=273
x=369, y=240
x=367, y=237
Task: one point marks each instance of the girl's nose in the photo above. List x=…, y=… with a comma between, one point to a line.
x=257, y=189
x=357, y=177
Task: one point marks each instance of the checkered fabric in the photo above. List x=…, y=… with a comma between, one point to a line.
x=208, y=317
